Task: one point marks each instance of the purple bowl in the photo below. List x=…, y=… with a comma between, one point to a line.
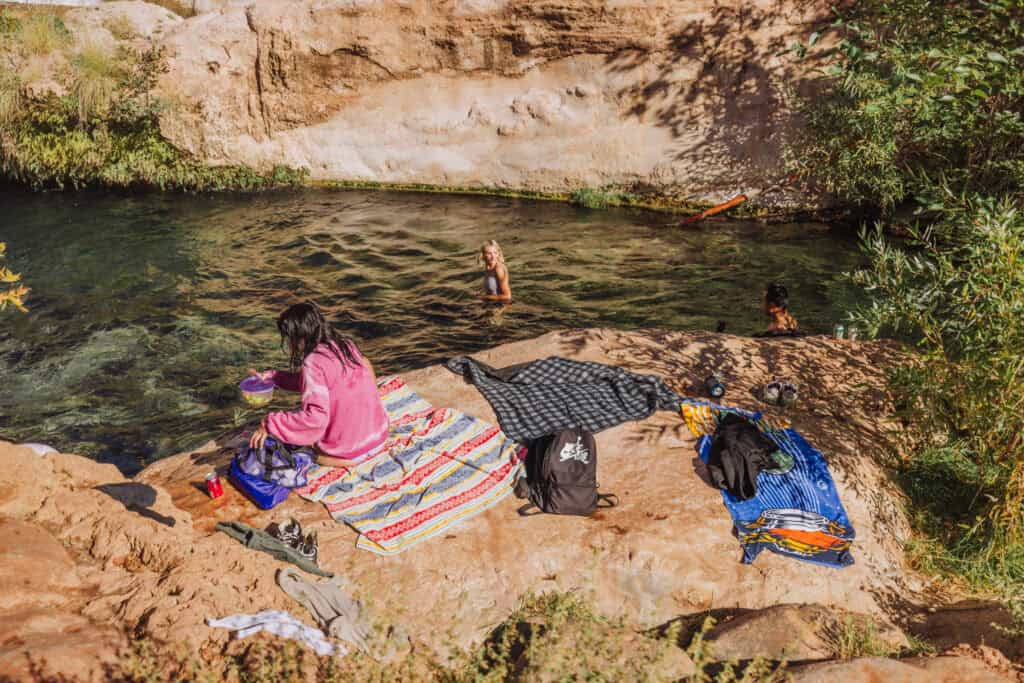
x=255, y=385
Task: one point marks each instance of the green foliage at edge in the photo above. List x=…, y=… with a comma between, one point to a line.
x=918, y=94
x=957, y=289
x=921, y=124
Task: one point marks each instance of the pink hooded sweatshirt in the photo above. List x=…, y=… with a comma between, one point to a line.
x=341, y=412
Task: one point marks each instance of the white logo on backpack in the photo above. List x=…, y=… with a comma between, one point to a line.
x=575, y=451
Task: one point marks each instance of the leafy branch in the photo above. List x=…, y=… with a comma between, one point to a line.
x=12, y=293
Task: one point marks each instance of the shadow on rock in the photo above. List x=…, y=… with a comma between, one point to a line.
x=137, y=498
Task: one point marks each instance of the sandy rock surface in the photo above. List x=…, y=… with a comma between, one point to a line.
x=668, y=548
x=685, y=98
x=794, y=633
x=141, y=556
x=916, y=670
x=131, y=20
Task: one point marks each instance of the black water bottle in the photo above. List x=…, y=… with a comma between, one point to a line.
x=714, y=386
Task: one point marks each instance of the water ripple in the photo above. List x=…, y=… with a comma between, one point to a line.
x=146, y=310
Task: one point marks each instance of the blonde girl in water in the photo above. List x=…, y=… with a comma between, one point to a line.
x=496, y=286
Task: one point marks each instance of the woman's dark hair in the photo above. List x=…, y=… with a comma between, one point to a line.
x=776, y=295
x=303, y=328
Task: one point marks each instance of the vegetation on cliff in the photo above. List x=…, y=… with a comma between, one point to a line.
x=97, y=123
x=924, y=104
x=921, y=126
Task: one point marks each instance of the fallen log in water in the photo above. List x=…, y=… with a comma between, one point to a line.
x=718, y=208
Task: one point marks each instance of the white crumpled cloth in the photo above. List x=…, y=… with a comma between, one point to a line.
x=281, y=624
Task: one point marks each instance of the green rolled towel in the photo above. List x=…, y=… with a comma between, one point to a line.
x=264, y=542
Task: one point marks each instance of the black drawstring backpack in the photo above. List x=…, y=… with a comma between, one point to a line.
x=561, y=475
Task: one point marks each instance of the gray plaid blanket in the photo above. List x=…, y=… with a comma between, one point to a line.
x=546, y=396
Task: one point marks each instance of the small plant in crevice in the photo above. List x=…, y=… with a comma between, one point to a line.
x=591, y=198
x=121, y=27
x=919, y=647
x=857, y=637
x=708, y=669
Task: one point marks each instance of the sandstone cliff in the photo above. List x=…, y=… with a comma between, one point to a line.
x=93, y=559
x=690, y=100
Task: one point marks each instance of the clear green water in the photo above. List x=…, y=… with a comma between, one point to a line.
x=146, y=310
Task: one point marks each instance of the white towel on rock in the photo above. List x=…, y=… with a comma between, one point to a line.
x=281, y=624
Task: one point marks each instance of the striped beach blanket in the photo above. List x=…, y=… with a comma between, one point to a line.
x=797, y=513
x=438, y=466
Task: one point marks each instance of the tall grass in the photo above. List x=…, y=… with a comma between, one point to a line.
x=42, y=33
x=97, y=73
x=858, y=637
x=11, y=99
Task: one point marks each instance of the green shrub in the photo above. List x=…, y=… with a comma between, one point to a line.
x=97, y=75
x=919, y=91
x=957, y=289
x=551, y=637
x=922, y=107
x=601, y=199
x=105, y=131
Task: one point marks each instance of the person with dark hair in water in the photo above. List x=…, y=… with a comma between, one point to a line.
x=341, y=415
x=776, y=307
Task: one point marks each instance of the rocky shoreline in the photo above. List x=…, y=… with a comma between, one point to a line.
x=93, y=560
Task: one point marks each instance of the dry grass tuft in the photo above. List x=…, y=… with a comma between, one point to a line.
x=10, y=97
x=97, y=72
x=121, y=27
x=42, y=33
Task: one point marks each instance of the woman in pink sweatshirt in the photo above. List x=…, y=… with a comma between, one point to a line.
x=342, y=415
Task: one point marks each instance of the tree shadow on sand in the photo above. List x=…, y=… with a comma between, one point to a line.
x=843, y=408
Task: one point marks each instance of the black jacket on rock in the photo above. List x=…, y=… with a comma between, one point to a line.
x=739, y=451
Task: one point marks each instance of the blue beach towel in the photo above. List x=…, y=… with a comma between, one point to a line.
x=797, y=513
